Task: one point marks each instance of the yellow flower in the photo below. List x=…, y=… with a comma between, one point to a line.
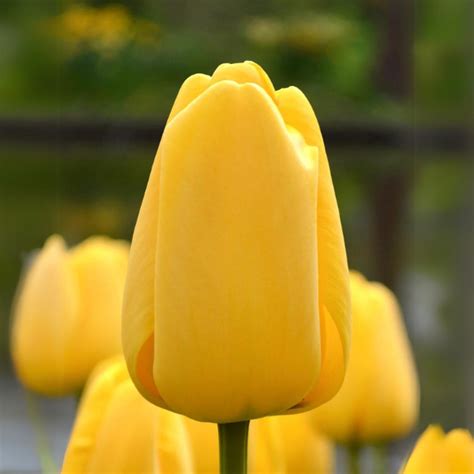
x=436, y=452
x=112, y=28
x=379, y=397
x=105, y=30
x=236, y=303
x=76, y=23
x=117, y=430
x=67, y=313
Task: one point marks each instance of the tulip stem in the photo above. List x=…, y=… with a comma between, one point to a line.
x=233, y=447
x=353, y=451
x=44, y=452
x=380, y=455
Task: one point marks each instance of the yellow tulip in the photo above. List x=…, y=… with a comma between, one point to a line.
x=67, y=313
x=117, y=430
x=379, y=397
x=436, y=452
x=236, y=303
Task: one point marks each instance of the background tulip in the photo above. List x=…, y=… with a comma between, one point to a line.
x=117, y=430
x=236, y=303
x=379, y=397
x=436, y=452
x=67, y=314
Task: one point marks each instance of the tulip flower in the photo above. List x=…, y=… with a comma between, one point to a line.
x=437, y=452
x=67, y=313
x=236, y=303
x=117, y=430
x=378, y=400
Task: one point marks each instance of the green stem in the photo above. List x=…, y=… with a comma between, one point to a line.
x=233, y=447
x=353, y=452
x=77, y=398
x=380, y=458
x=44, y=452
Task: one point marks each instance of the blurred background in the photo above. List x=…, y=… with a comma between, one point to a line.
x=86, y=86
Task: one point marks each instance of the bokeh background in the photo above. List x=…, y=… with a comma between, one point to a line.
x=85, y=88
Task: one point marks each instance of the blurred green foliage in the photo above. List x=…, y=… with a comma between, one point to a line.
x=129, y=57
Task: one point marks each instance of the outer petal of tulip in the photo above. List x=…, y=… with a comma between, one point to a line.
x=333, y=286
x=42, y=324
x=379, y=398
x=116, y=430
x=436, y=452
x=225, y=235
x=67, y=314
x=227, y=259
x=139, y=297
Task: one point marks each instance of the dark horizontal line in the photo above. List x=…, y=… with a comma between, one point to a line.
x=59, y=131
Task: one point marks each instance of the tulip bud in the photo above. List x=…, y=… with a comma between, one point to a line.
x=379, y=397
x=236, y=303
x=67, y=313
x=436, y=452
x=117, y=430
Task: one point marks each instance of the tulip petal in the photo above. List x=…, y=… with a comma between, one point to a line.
x=43, y=326
x=459, y=447
x=436, y=452
x=138, y=300
x=95, y=400
x=192, y=87
x=236, y=261
x=195, y=85
x=427, y=456
x=247, y=72
x=334, y=297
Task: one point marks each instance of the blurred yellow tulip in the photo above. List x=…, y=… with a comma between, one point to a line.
x=236, y=303
x=436, y=452
x=379, y=398
x=67, y=313
x=293, y=446
x=117, y=430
